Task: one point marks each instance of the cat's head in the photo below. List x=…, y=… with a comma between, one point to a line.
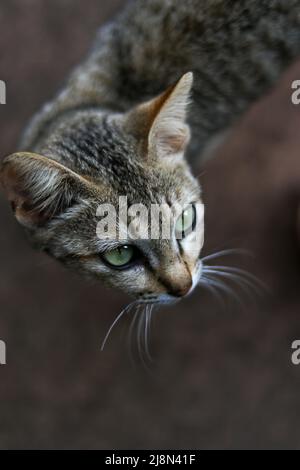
x=65, y=193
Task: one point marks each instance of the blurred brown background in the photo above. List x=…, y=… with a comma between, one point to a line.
x=222, y=376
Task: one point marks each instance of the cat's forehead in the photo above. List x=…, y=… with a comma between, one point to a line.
x=150, y=186
x=94, y=146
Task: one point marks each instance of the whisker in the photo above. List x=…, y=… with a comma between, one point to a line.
x=131, y=329
x=242, y=282
x=231, y=251
x=126, y=309
x=203, y=281
x=222, y=286
x=139, y=330
x=239, y=271
x=146, y=345
x=142, y=321
x=149, y=309
x=141, y=337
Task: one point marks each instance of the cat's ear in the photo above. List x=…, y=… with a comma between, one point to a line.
x=38, y=187
x=161, y=123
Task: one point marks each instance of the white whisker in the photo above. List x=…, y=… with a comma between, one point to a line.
x=232, y=251
x=203, y=281
x=141, y=334
x=149, y=309
x=222, y=286
x=126, y=309
x=238, y=271
x=244, y=283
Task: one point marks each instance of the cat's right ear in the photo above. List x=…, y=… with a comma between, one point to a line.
x=160, y=124
x=39, y=188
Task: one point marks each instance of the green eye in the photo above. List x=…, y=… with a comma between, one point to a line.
x=119, y=257
x=186, y=222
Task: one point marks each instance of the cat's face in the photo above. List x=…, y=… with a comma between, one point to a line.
x=161, y=269
x=138, y=157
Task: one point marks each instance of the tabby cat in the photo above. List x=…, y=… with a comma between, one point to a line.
x=162, y=82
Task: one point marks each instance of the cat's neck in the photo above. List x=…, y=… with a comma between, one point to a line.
x=236, y=51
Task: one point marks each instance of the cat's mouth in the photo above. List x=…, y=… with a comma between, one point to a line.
x=169, y=299
x=157, y=299
x=162, y=299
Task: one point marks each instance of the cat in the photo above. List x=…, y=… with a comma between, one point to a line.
x=162, y=82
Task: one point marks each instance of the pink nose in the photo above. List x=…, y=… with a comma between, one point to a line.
x=181, y=290
x=176, y=279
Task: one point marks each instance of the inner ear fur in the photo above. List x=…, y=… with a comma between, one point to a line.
x=160, y=124
x=38, y=187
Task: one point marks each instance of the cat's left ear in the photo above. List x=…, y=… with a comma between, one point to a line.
x=160, y=124
x=39, y=188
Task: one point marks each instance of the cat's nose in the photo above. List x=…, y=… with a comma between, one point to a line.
x=182, y=289
x=176, y=279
